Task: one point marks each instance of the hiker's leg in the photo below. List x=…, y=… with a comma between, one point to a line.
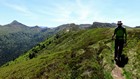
x=120, y=48
x=116, y=49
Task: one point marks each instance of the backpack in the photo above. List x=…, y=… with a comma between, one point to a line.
x=120, y=31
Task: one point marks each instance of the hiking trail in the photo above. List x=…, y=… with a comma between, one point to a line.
x=117, y=73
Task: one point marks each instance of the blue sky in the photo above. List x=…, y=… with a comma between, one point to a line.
x=53, y=13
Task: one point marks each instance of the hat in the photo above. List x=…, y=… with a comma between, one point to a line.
x=119, y=22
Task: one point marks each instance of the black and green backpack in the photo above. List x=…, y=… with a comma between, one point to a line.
x=120, y=31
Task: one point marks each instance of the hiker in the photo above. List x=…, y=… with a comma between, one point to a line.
x=120, y=40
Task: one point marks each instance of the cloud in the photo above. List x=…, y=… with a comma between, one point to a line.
x=22, y=10
x=76, y=12
x=80, y=12
x=18, y=8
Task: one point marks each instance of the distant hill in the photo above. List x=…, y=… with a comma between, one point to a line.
x=105, y=25
x=16, y=24
x=85, y=25
x=16, y=38
x=100, y=25
x=137, y=27
x=66, y=27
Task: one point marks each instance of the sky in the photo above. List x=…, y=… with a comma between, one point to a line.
x=52, y=13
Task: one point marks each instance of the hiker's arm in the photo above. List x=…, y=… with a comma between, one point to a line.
x=114, y=34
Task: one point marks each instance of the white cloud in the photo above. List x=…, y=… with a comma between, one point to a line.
x=18, y=8
x=23, y=10
x=77, y=12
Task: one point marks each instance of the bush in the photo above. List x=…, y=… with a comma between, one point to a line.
x=31, y=55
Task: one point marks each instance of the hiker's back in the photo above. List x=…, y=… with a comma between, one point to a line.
x=120, y=31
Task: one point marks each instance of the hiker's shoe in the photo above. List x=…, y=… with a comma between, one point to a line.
x=116, y=58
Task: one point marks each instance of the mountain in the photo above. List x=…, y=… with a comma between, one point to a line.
x=16, y=24
x=137, y=27
x=81, y=54
x=16, y=38
x=100, y=25
x=65, y=55
x=105, y=25
x=68, y=27
x=85, y=25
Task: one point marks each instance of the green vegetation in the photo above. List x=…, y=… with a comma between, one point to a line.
x=83, y=54
x=133, y=53
x=17, y=39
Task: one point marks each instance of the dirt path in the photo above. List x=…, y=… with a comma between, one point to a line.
x=117, y=73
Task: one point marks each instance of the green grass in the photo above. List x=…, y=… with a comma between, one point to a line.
x=85, y=54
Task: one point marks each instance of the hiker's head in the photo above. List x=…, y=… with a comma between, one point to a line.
x=119, y=23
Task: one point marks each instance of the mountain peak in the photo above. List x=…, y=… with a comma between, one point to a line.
x=15, y=22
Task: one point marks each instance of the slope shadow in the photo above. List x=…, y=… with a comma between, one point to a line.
x=123, y=61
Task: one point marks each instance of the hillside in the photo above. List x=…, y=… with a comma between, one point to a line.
x=16, y=38
x=86, y=54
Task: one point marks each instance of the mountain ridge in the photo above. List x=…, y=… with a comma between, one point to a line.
x=94, y=24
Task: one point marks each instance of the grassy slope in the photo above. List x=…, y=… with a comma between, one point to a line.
x=131, y=70
x=81, y=54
